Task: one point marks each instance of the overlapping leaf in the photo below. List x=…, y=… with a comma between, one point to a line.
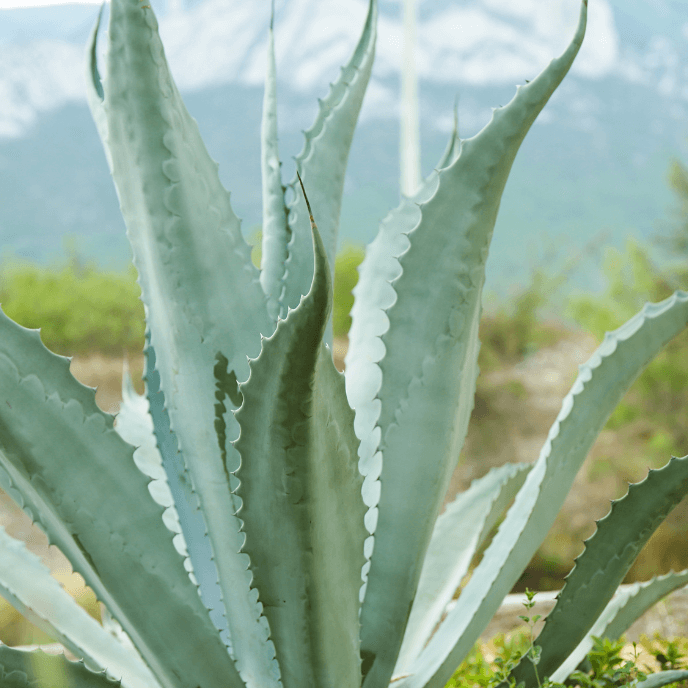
x=322, y=165
x=204, y=304
x=28, y=586
x=143, y=422
x=301, y=491
x=459, y=532
x=626, y=606
x=416, y=409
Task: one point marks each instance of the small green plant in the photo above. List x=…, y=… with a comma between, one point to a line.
x=608, y=668
x=533, y=652
x=477, y=672
x=603, y=667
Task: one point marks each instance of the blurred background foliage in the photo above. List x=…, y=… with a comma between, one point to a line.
x=79, y=309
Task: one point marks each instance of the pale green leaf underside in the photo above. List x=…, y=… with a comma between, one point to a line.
x=322, y=165
x=28, y=586
x=276, y=232
x=171, y=485
x=429, y=366
x=459, y=532
x=113, y=536
x=29, y=669
x=374, y=295
x=301, y=493
x=163, y=452
x=204, y=303
x=603, y=564
x=622, y=611
x=600, y=385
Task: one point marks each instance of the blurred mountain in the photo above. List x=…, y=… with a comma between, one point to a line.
x=594, y=162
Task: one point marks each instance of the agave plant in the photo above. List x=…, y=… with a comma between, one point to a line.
x=256, y=518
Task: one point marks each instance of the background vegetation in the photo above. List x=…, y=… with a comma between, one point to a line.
x=78, y=308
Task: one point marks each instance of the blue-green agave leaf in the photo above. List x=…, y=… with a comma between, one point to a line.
x=38, y=669
x=28, y=586
x=373, y=295
x=663, y=678
x=205, y=308
x=300, y=487
x=276, y=231
x=599, y=387
x=94, y=87
x=453, y=148
x=114, y=536
x=322, y=165
x=623, y=610
x=428, y=360
x=459, y=531
x=143, y=422
x=608, y=555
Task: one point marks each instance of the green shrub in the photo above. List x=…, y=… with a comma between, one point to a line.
x=78, y=308
x=81, y=309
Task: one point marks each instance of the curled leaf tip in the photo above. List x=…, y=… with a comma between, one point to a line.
x=308, y=205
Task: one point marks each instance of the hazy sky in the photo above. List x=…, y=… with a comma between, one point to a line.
x=13, y=4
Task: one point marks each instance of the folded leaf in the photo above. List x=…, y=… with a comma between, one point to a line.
x=94, y=88
x=322, y=165
x=276, y=231
x=301, y=491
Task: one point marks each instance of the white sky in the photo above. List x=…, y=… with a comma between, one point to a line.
x=14, y=4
